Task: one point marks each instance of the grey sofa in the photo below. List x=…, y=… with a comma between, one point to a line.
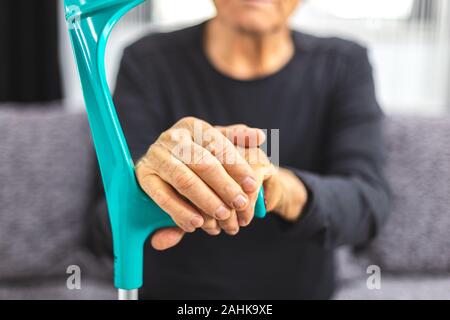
x=47, y=174
x=413, y=250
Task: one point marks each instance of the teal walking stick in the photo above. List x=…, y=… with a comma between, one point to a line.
x=133, y=215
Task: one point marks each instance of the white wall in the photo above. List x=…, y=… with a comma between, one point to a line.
x=411, y=63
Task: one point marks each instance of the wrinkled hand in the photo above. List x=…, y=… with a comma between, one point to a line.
x=197, y=175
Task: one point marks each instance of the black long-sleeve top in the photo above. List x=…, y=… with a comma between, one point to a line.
x=324, y=105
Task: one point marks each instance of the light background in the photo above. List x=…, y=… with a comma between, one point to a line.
x=408, y=41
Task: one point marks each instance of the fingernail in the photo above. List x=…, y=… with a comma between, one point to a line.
x=239, y=202
x=232, y=232
x=222, y=213
x=213, y=231
x=249, y=184
x=242, y=222
x=197, y=222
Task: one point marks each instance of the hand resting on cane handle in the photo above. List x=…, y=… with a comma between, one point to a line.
x=211, y=184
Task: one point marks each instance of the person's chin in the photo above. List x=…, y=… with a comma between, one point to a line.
x=256, y=25
x=258, y=3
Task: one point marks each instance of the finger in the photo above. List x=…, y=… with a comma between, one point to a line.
x=231, y=225
x=183, y=214
x=263, y=170
x=246, y=216
x=166, y=238
x=212, y=172
x=234, y=163
x=272, y=194
x=211, y=226
x=218, y=145
x=188, y=184
x=242, y=135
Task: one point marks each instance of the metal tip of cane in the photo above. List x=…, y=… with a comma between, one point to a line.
x=128, y=294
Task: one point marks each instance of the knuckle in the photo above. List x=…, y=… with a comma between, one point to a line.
x=210, y=224
x=182, y=220
x=232, y=190
x=186, y=227
x=184, y=181
x=177, y=134
x=211, y=146
x=165, y=135
x=202, y=158
x=206, y=169
x=147, y=164
x=187, y=122
x=229, y=224
x=225, y=152
x=153, y=153
x=188, y=119
x=241, y=126
x=159, y=196
x=180, y=135
x=163, y=165
x=141, y=170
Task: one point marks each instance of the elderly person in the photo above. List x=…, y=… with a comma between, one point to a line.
x=242, y=71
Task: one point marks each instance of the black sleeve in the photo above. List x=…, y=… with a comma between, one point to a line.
x=350, y=201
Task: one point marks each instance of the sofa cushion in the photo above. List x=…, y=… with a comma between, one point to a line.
x=56, y=289
x=417, y=235
x=46, y=171
x=398, y=288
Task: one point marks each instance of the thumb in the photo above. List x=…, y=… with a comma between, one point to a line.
x=243, y=136
x=166, y=238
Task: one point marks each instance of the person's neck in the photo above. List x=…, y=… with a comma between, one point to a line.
x=243, y=55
